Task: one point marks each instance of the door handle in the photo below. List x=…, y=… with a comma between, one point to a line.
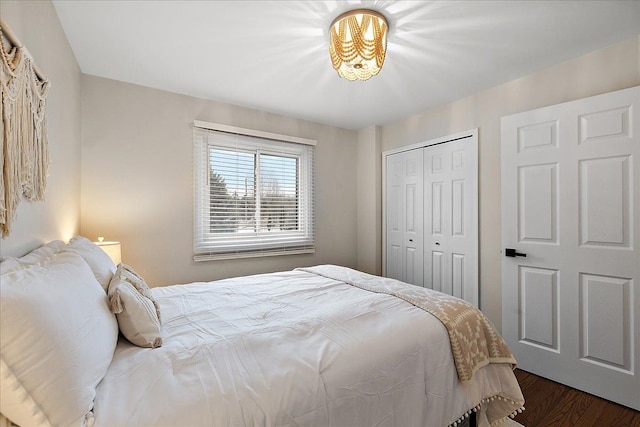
x=512, y=253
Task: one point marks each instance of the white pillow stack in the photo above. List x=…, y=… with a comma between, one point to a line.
x=58, y=332
x=135, y=308
x=57, y=336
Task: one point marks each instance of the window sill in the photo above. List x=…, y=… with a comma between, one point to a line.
x=252, y=254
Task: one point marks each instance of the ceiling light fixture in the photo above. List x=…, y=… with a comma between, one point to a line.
x=358, y=44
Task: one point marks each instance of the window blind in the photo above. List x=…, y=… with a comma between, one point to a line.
x=253, y=196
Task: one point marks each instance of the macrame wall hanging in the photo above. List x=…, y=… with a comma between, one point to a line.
x=24, y=151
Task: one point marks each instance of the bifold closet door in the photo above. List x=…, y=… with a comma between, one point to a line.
x=451, y=218
x=404, y=230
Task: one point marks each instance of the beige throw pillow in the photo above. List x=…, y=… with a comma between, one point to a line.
x=135, y=308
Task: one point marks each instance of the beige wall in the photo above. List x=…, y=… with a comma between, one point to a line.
x=58, y=217
x=369, y=197
x=137, y=184
x=613, y=68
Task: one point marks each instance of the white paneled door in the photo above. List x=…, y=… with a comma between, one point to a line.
x=571, y=243
x=451, y=219
x=404, y=229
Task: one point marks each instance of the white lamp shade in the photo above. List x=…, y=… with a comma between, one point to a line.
x=113, y=250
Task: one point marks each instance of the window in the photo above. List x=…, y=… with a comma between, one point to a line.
x=253, y=193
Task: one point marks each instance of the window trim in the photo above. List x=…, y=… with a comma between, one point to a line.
x=201, y=152
x=252, y=132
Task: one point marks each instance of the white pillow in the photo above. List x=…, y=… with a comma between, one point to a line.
x=8, y=264
x=135, y=308
x=37, y=256
x=57, y=337
x=100, y=263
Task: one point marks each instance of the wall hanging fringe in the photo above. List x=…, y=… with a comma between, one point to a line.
x=24, y=150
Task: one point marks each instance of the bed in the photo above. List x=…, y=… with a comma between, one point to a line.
x=318, y=346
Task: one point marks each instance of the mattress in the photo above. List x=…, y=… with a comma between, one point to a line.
x=296, y=349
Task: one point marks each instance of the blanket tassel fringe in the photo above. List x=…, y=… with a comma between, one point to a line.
x=476, y=408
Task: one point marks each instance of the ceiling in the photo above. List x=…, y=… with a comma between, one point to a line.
x=273, y=55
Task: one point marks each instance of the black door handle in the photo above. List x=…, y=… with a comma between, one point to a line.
x=512, y=253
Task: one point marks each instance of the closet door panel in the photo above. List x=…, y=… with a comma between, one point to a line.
x=451, y=221
x=404, y=204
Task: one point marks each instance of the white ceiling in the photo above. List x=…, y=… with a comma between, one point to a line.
x=273, y=55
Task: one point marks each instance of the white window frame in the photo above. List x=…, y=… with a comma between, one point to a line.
x=214, y=246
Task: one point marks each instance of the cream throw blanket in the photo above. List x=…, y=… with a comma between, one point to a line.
x=474, y=341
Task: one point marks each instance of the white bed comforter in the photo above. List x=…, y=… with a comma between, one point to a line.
x=295, y=349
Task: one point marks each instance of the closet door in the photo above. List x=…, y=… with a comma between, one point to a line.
x=404, y=230
x=451, y=218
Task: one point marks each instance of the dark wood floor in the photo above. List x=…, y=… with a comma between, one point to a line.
x=551, y=404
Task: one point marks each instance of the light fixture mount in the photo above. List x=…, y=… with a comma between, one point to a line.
x=358, y=43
